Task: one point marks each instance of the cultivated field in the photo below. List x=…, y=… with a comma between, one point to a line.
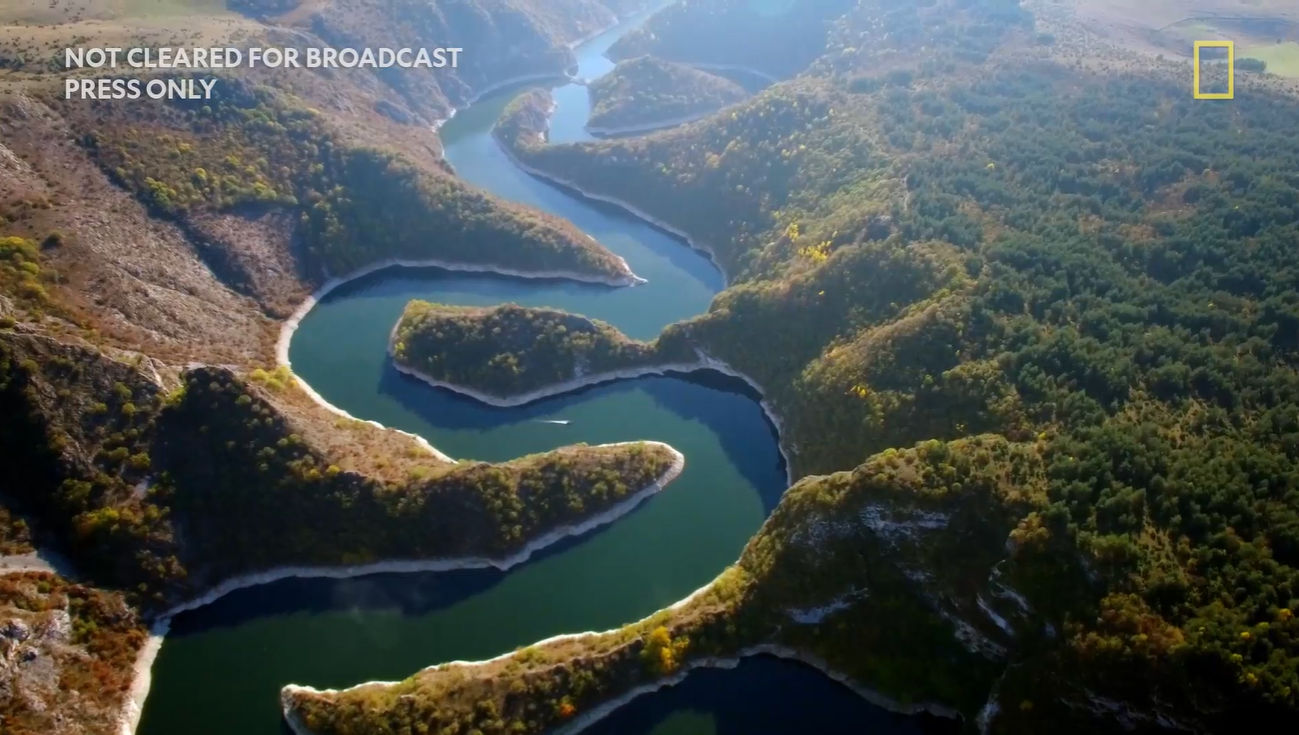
x=1263, y=29
x=1281, y=58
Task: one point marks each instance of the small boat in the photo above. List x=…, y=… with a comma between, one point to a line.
x=553, y=421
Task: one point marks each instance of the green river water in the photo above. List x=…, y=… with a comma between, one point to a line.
x=221, y=668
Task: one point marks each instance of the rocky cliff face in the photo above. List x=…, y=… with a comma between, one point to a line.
x=66, y=653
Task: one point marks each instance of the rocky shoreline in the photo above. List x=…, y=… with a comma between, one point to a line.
x=628, y=207
x=650, y=126
x=141, y=680
x=292, y=688
x=130, y=718
x=291, y=324
x=592, y=716
x=733, y=67
x=23, y=563
x=495, y=87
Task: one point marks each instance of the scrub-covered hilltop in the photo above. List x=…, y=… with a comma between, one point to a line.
x=509, y=351
x=1048, y=300
x=66, y=655
x=648, y=93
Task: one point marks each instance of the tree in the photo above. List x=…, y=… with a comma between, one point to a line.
x=662, y=655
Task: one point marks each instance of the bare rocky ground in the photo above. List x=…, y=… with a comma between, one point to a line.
x=139, y=279
x=35, y=561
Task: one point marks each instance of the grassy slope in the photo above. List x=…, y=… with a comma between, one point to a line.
x=646, y=91
x=263, y=155
x=1092, y=269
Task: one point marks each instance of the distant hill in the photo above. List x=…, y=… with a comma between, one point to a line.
x=778, y=38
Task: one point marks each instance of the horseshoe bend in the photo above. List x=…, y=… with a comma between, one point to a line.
x=710, y=366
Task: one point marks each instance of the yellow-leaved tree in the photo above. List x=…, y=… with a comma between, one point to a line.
x=662, y=654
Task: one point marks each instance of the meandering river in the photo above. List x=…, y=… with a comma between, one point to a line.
x=221, y=668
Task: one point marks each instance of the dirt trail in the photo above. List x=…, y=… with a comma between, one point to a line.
x=36, y=561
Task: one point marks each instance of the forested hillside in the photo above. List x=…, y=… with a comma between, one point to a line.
x=217, y=457
x=780, y=151
x=114, y=463
x=645, y=92
x=1089, y=267
x=351, y=205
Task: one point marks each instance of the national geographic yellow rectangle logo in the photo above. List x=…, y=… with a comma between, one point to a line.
x=1230, y=94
